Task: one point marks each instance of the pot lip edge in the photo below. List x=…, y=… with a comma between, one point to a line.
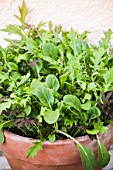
x=28, y=139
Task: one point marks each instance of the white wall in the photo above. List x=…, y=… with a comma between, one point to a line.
x=92, y=15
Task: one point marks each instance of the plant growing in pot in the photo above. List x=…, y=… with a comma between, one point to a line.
x=56, y=95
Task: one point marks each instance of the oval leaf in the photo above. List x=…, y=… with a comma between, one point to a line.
x=52, y=82
x=87, y=157
x=51, y=116
x=94, y=112
x=72, y=101
x=103, y=155
x=45, y=96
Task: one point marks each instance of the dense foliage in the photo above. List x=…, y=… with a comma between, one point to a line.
x=52, y=79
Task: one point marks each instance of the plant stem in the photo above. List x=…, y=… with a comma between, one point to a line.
x=67, y=135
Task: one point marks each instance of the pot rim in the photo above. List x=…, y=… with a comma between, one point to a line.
x=80, y=139
x=60, y=141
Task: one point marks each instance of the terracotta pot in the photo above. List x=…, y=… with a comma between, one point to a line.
x=60, y=155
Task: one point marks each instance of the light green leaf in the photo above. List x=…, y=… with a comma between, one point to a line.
x=50, y=50
x=44, y=95
x=23, y=13
x=86, y=97
x=86, y=106
x=4, y=106
x=51, y=116
x=52, y=82
x=13, y=29
x=98, y=56
x=106, y=40
x=63, y=78
x=91, y=86
x=12, y=66
x=50, y=60
x=52, y=138
x=5, y=124
x=103, y=155
x=14, y=76
x=28, y=110
x=24, y=79
x=1, y=137
x=92, y=132
x=72, y=101
x=23, y=57
x=87, y=157
x=32, y=151
x=3, y=77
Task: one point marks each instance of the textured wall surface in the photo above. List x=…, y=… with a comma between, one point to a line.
x=92, y=15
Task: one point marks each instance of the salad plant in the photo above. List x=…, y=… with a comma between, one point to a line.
x=55, y=85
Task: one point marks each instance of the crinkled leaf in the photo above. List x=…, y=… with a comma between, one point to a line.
x=4, y=106
x=87, y=157
x=52, y=82
x=23, y=13
x=23, y=57
x=51, y=116
x=13, y=29
x=106, y=40
x=103, y=155
x=32, y=151
x=72, y=101
x=44, y=95
x=98, y=56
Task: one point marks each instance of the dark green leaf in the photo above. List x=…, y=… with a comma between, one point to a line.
x=1, y=136
x=94, y=112
x=32, y=151
x=87, y=157
x=103, y=155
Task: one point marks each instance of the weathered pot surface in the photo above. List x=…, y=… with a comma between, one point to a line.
x=60, y=155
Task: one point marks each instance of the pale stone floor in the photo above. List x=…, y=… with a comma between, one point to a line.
x=5, y=166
